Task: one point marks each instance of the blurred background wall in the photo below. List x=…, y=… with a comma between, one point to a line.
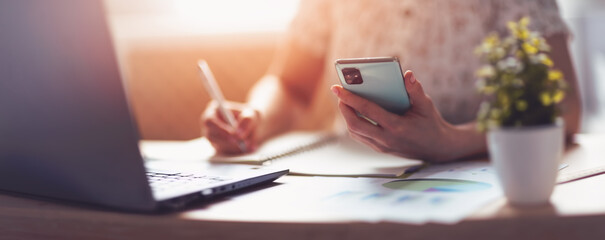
x=159, y=41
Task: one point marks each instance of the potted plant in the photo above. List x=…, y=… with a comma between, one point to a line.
x=520, y=112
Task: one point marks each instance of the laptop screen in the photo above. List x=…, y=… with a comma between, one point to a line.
x=65, y=126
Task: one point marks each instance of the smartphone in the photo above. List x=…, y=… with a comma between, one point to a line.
x=378, y=79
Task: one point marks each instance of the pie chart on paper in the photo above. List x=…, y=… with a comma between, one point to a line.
x=437, y=185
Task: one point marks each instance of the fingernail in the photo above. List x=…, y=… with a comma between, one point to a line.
x=413, y=78
x=335, y=90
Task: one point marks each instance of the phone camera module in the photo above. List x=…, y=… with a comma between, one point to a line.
x=352, y=76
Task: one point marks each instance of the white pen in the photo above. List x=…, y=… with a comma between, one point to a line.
x=216, y=94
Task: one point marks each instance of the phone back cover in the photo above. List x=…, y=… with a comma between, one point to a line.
x=383, y=83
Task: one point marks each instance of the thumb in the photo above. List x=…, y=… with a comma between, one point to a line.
x=418, y=98
x=247, y=113
x=247, y=121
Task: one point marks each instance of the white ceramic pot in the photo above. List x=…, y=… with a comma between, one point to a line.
x=526, y=160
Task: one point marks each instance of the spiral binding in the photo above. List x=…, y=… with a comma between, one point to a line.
x=321, y=142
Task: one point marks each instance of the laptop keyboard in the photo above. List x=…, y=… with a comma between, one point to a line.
x=161, y=181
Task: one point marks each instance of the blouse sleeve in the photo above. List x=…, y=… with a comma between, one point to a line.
x=310, y=29
x=544, y=15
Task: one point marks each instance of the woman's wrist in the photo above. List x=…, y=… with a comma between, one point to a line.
x=466, y=142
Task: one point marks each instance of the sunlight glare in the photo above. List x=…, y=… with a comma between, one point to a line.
x=235, y=16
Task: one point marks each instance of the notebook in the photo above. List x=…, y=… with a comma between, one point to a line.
x=323, y=154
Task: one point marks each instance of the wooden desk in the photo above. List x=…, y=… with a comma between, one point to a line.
x=577, y=212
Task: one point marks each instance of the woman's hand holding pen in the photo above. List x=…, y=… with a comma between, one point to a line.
x=225, y=138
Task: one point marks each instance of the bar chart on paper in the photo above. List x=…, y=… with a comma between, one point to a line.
x=442, y=193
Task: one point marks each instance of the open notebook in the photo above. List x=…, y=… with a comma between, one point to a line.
x=323, y=154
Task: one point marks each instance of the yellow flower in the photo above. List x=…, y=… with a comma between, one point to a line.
x=545, y=99
x=521, y=105
x=524, y=22
x=488, y=90
x=492, y=40
x=544, y=59
x=489, y=43
x=558, y=97
x=529, y=49
x=510, y=64
x=554, y=75
x=535, y=42
x=519, y=30
x=523, y=34
x=495, y=113
x=486, y=71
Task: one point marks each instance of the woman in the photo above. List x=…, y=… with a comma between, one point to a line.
x=433, y=38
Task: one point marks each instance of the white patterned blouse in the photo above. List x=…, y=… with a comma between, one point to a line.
x=434, y=38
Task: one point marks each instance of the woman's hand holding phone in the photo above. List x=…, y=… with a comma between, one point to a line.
x=420, y=133
x=224, y=138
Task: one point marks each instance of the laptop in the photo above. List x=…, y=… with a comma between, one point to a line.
x=66, y=129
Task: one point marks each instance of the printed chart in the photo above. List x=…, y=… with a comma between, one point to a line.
x=437, y=185
x=441, y=193
x=445, y=194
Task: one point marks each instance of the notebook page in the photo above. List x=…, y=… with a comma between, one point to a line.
x=345, y=157
x=279, y=147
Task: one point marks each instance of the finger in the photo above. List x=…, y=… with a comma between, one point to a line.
x=416, y=92
x=219, y=114
x=377, y=146
x=222, y=142
x=212, y=125
x=247, y=123
x=370, y=142
x=213, y=122
x=356, y=124
x=215, y=132
x=220, y=134
x=251, y=144
x=236, y=108
x=210, y=110
x=213, y=112
x=233, y=107
x=224, y=145
x=362, y=105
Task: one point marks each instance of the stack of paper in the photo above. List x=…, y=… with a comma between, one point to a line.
x=441, y=194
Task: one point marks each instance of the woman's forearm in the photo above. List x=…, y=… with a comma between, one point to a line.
x=571, y=105
x=278, y=109
x=467, y=142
